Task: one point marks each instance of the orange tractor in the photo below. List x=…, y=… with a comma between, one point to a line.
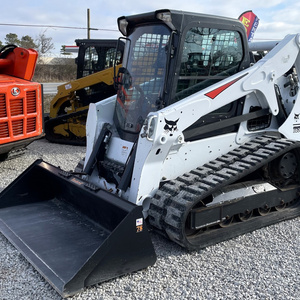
x=21, y=107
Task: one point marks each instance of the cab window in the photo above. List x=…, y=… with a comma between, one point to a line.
x=209, y=55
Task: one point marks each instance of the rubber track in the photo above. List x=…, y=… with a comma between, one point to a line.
x=51, y=123
x=175, y=199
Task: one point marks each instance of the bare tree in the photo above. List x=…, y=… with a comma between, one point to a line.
x=44, y=43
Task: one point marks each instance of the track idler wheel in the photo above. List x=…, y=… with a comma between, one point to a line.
x=283, y=170
x=281, y=206
x=288, y=165
x=226, y=222
x=245, y=216
x=262, y=211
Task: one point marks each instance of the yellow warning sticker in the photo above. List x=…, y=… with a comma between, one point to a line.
x=139, y=225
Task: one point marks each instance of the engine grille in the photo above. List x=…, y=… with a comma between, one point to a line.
x=2, y=106
x=20, y=117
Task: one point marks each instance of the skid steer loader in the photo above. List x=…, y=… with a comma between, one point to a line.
x=201, y=142
x=21, y=106
x=95, y=81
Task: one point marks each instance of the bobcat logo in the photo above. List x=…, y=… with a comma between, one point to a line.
x=171, y=126
x=296, y=116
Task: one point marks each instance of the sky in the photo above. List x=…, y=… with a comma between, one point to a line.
x=277, y=17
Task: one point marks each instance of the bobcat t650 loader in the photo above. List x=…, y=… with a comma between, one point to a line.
x=201, y=142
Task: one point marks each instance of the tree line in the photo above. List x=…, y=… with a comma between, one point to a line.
x=42, y=43
x=63, y=70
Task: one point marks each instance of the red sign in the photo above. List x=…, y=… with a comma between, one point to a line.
x=250, y=21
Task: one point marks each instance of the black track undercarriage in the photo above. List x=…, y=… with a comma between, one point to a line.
x=78, y=118
x=253, y=186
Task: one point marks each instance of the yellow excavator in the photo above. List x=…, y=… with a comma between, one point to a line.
x=95, y=81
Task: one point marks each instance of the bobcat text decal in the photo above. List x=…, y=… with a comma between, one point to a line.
x=296, y=125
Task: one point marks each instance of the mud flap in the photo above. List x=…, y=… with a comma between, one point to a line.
x=74, y=234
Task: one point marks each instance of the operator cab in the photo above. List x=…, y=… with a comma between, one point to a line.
x=168, y=56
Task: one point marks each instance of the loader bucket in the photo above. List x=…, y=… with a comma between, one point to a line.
x=73, y=233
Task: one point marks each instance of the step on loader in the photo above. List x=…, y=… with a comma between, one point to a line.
x=201, y=142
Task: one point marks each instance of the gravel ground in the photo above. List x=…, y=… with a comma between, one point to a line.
x=264, y=264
